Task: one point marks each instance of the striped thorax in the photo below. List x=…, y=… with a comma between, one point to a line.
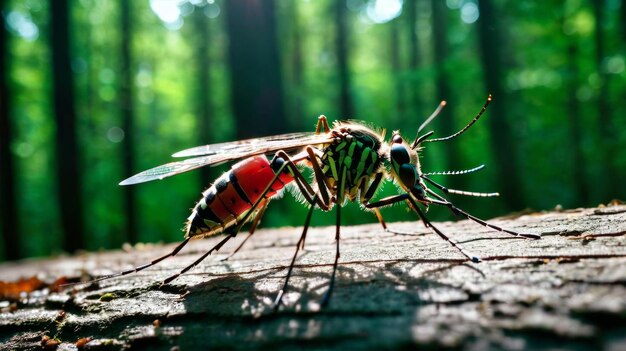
x=351, y=160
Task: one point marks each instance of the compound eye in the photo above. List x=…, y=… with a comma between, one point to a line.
x=407, y=175
x=399, y=154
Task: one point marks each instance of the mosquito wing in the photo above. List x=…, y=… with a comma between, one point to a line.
x=216, y=154
x=272, y=143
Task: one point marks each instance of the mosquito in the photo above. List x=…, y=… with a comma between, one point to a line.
x=349, y=162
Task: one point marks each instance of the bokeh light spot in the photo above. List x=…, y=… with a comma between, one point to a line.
x=469, y=12
x=382, y=11
x=115, y=134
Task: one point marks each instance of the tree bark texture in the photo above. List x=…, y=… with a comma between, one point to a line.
x=565, y=291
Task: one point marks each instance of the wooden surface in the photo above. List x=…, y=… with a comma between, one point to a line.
x=565, y=291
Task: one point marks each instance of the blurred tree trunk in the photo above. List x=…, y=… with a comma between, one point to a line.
x=572, y=83
x=341, y=42
x=256, y=83
x=68, y=177
x=446, y=124
x=609, y=186
x=502, y=140
x=8, y=203
x=204, y=93
x=414, y=60
x=573, y=114
x=128, y=117
x=297, y=68
x=623, y=19
x=400, y=113
x=89, y=54
x=623, y=93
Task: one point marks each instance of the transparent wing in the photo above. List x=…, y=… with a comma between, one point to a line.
x=216, y=154
x=272, y=143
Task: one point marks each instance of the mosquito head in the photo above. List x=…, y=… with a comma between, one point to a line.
x=405, y=167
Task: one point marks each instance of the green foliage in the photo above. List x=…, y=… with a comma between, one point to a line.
x=537, y=82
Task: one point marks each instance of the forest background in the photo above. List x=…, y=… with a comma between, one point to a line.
x=94, y=91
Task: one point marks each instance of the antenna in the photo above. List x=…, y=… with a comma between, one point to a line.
x=466, y=127
x=463, y=171
x=430, y=118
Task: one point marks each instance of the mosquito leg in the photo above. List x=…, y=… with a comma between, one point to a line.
x=300, y=243
x=340, y=193
x=262, y=196
x=182, y=244
x=242, y=222
x=322, y=123
x=457, y=211
x=380, y=219
x=391, y=230
x=386, y=202
x=326, y=298
x=441, y=235
x=304, y=187
x=138, y=268
x=315, y=200
x=323, y=189
x=196, y=262
x=255, y=223
x=367, y=194
x=302, y=184
x=393, y=199
x=319, y=176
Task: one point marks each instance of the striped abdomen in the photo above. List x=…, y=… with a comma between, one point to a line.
x=232, y=195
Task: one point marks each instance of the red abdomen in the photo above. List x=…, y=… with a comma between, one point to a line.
x=233, y=194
